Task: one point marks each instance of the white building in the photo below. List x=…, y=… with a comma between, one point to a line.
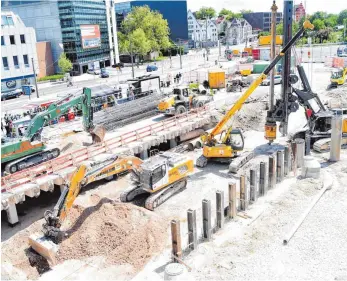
x=238, y=31
x=197, y=31
x=18, y=48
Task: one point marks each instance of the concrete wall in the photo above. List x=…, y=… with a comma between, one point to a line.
x=45, y=59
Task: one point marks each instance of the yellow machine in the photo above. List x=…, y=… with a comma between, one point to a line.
x=228, y=146
x=86, y=173
x=338, y=77
x=183, y=99
x=161, y=176
x=245, y=72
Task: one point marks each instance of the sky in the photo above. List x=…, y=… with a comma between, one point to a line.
x=329, y=6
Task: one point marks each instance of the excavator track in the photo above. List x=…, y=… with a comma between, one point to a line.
x=158, y=198
x=323, y=145
x=131, y=192
x=201, y=161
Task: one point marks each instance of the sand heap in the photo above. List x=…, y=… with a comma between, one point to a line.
x=250, y=117
x=122, y=233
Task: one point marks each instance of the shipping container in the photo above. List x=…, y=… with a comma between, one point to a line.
x=266, y=40
x=216, y=79
x=265, y=54
x=259, y=67
x=256, y=54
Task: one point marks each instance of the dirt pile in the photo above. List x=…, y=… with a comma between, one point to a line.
x=337, y=97
x=251, y=117
x=123, y=234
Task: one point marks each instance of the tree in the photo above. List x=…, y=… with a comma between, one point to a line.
x=318, y=24
x=225, y=12
x=342, y=16
x=279, y=29
x=318, y=15
x=331, y=20
x=242, y=12
x=147, y=30
x=205, y=12
x=64, y=63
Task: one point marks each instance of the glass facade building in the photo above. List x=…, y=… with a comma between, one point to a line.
x=175, y=12
x=72, y=15
x=262, y=20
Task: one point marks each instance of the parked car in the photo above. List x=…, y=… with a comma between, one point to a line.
x=151, y=68
x=104, y=73
x=277, y=80
x=12, y=94
x=93, y=71
x=120, y=64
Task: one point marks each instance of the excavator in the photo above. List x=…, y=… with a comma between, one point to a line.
x=87, y=172
x=161, y=176
x=29, y=150
x=182, y=99
x=226, y=149
x=338, y=77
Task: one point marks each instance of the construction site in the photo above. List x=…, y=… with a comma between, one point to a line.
x=219, y=175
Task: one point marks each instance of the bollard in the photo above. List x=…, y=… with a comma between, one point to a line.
x=287, y=160
x=253, y=184
x=176, y=239
x=280, y=166
x=295, y=156
x=243, y=193
x=220, y=208
x=192, y=233
x=206, y=219
x=263, y=178
x=336, y=136
x=300, y=152
x=272, y=171
x=232, y=200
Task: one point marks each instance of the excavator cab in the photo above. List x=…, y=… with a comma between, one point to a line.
x=338, y=77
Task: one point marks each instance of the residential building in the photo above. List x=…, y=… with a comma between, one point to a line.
x=202, y=32
x=262, y=20
x=238, y=31
x=221, y=23
x=85, y=30
x=299, y=12
x=45, y=59
x=18, y=48
x=175, y=12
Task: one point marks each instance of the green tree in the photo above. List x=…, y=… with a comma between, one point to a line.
x=64, y=63
x=205, y=12
x=331, y=20
x=245, y=12
x=147, y=29
x=225, y=12
x=279, y=29
x=318, y=24
x=318, y=15
x=342, y=16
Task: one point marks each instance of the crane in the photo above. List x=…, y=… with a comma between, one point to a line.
x=225, y=150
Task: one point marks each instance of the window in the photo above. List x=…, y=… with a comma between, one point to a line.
x=6, y=20
x=2, y=41
x=22, y=38
x=5, y=63
x=13, y=42
x=10, y=21
x=26, y=61
x=15, y=61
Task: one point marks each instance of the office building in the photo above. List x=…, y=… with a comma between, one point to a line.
x=175, y=12
x=45, y=59
x=18, y=48
x=85, y=30
x=299, y=12
x=262, y=21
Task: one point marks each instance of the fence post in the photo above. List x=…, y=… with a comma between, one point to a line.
x=280, y=166
x=253, y=184
x=243, y=191
x=176, y=239
x=192, y=233
x=232, y=200
x=263, y=178
x=220, y=208
x=272, y=171
x=206, y=218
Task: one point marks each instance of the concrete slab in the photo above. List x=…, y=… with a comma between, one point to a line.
x=64, y=175
x=30, y=189
x=47, y=183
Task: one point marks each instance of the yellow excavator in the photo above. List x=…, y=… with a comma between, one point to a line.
x=86, y=173
x=232, y=141
x=161, y=176
x=338, y=77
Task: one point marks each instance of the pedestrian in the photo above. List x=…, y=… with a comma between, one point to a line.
x=10, y=128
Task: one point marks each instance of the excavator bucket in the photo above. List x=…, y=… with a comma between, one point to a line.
x=44, y=247
x=98, y=134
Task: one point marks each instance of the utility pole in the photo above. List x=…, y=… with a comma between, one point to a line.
x=273, y=55
x=132, y=58
x=37, y=89
x=206, y=40
x=180, y=47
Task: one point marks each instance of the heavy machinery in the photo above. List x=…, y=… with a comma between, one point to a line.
x=338, y=77
x=181, y=100
x=161, y=176
x=226, y=148
x=318, y=129
x=29, y=150
x=87, y=172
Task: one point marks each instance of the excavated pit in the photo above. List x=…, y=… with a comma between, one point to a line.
x=123, y=234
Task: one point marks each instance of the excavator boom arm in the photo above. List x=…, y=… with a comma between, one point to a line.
x=237, y=106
